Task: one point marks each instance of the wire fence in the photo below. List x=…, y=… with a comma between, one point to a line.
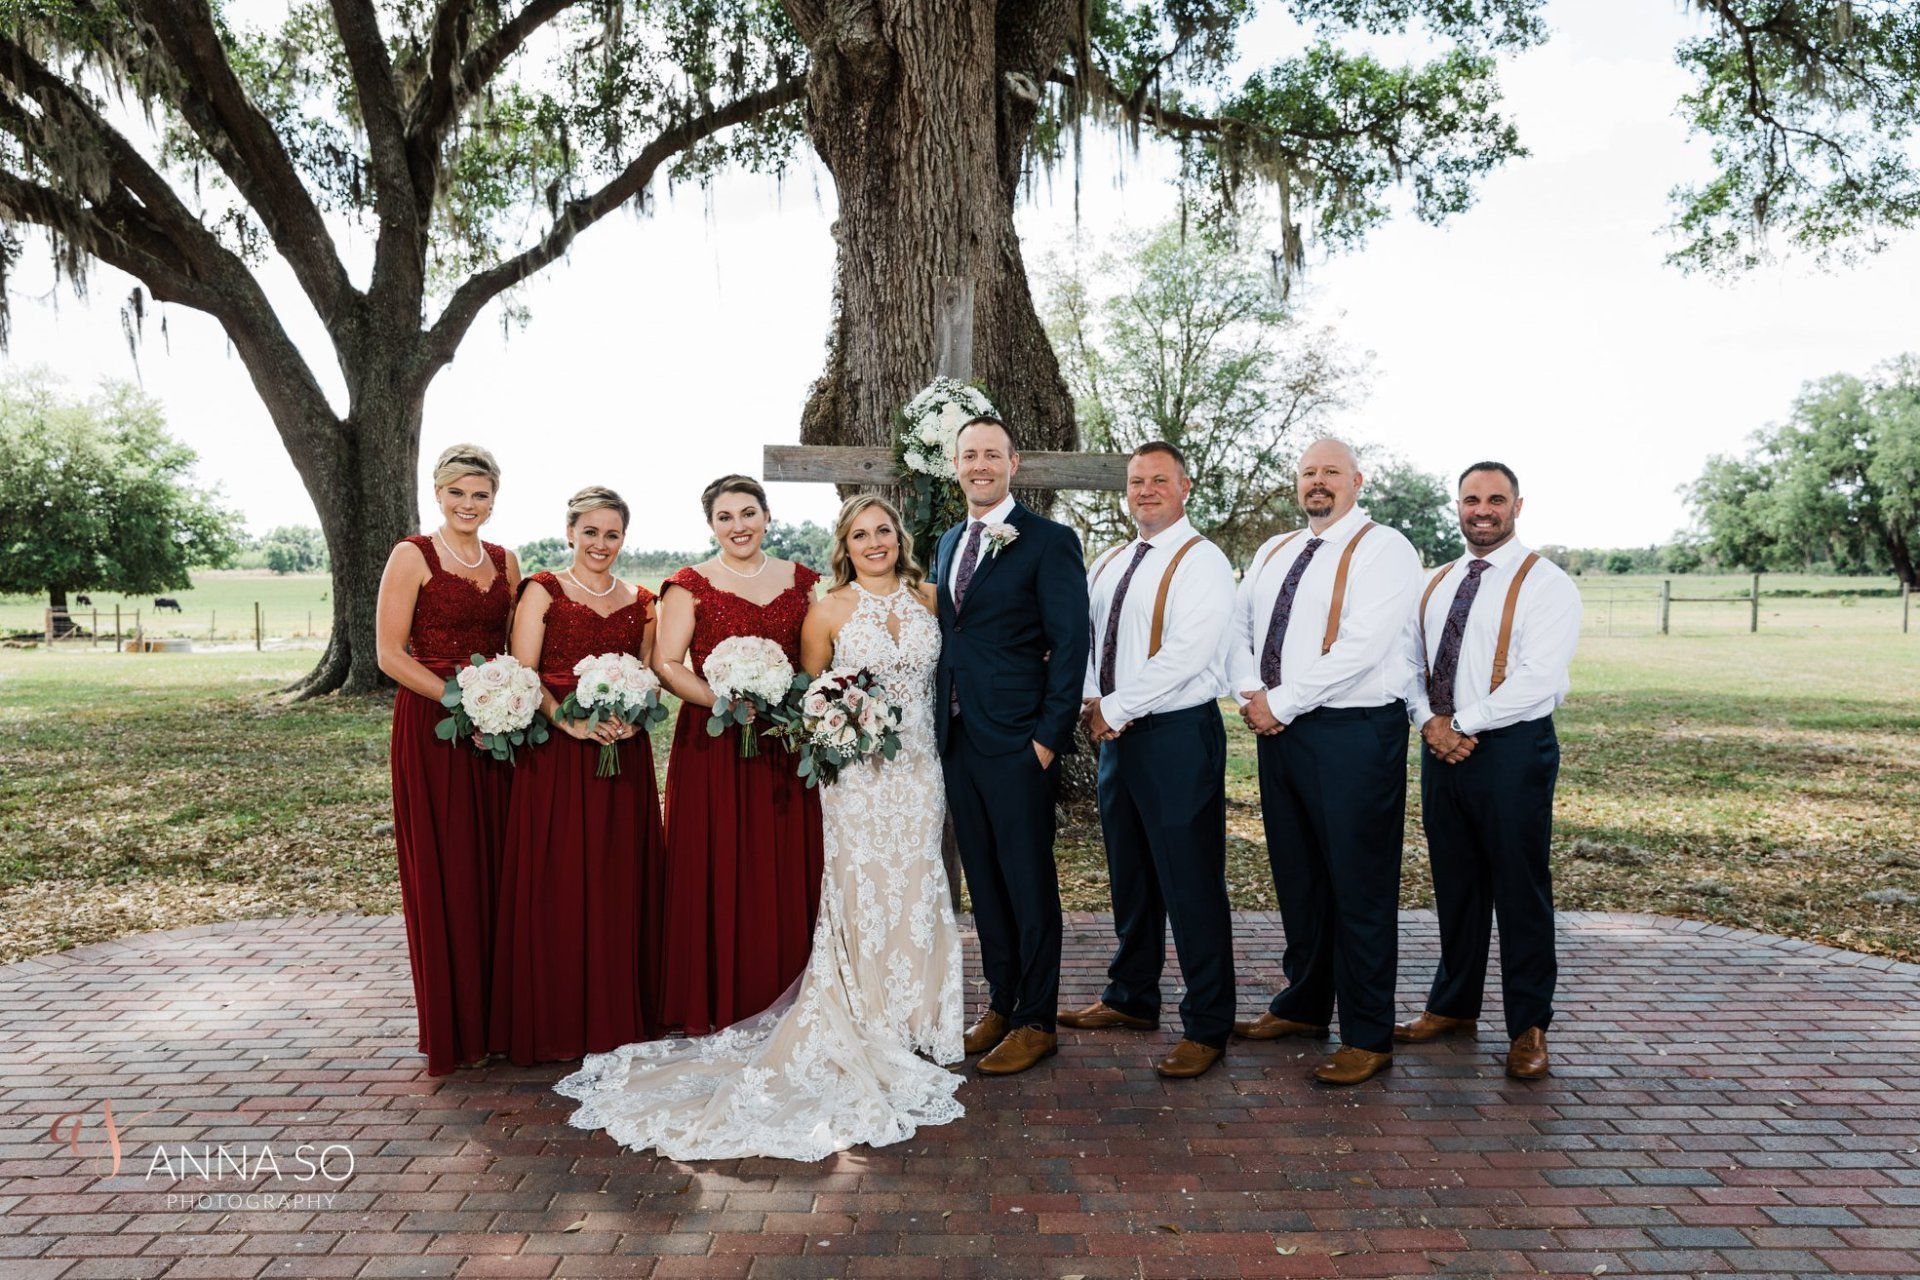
x=176, y=630
x=1627, y=607
x=1679, y=606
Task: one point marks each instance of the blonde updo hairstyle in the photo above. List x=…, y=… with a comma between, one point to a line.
x=465, y=460
x=596, y=497
x=842, y=561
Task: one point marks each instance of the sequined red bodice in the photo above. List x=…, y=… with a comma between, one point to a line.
x=576, y=631
x=453, y=618
x=722, y=614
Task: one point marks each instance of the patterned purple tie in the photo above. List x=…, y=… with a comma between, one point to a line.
x=1113, y=619
x=969, y=560
x=1282, y=609
x=1446, y=664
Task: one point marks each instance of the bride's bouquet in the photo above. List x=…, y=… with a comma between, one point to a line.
x=614, y=686
x=498, y=700
x=845, y=716
x=751, y=679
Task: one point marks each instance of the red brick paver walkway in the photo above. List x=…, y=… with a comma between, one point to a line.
x=1722, y=1102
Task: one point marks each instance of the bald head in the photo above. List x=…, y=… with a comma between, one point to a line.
x=1328, y=481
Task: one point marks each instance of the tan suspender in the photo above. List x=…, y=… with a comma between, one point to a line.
x=1339, y=580
x=1427, y=595
x=1340, y=588
x=1276, y=547
x=1100, y=565
x=1166, y=585
x=1506, y=621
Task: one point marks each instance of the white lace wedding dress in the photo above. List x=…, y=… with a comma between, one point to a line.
x=834, y=1062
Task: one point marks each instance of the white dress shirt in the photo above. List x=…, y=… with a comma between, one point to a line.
x=1191, y=667
x=996, y=516
x=1546, y=627
x=1367, y=665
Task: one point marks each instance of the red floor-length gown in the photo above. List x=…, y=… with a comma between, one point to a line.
x=580, y=854
x=744, y=855
x=449, y=815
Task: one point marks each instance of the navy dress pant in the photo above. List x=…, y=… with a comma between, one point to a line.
x=1333, y=791
x=1002, y=807
x=1489, y=824
x=1163, y=811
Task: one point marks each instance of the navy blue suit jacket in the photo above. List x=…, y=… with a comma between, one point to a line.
x=1017, y=651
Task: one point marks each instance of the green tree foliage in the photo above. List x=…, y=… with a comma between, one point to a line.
x=447, y=150
x=1418, y=503
x=1837, y=484
x=1812, y=107
x=294, y=548
x=451, y=149
x=95, y=495
x=1181, y=336
x=544, y=555
x=806, y=543
x=1333, y=131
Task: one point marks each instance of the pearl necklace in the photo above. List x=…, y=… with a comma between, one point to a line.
x=765, y=560
x=448, y=548
x=584, y=587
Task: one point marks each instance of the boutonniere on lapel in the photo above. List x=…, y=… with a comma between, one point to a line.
x=1000, y=536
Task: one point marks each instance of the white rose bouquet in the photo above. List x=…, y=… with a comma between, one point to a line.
x=751, y=678
x=933, y=421
x=844, y=717
x=614, y=686
x=497, y=699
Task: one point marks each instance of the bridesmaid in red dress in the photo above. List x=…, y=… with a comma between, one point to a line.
x=580, y=849
x=742, y=877
x=444, y=597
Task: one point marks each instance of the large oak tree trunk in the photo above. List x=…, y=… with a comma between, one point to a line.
x=912, y=109
x=360, y=472
x=921, y=110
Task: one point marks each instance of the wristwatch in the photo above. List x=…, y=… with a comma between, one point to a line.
x=1453, y=723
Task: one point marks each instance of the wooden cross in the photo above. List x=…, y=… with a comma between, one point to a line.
x=874, y=466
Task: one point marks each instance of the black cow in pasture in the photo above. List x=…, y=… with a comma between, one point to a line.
x=83, y=601
x=165, y=602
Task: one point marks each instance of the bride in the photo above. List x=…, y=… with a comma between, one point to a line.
x=834, y=1062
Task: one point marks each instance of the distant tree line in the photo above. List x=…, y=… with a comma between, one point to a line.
x=807, y=543
x=1835, y=487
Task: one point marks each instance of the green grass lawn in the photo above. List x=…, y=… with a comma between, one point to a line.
x=1769, y=781
x=219, y=606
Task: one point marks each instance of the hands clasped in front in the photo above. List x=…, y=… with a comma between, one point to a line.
x=1448, y=745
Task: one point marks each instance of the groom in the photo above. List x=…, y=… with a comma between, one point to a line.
x=1013, y=626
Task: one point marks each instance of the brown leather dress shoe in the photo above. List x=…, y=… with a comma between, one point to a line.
x=1268, y=1027
x=1023, y=1047
x=1431, y=1026
x=1189, y=1060
x=1527, y=1059
x=1101, y=1016
x=988, y=1031
x=1349, y=1065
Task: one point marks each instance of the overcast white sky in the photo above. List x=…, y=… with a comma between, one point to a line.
x=1541, y=327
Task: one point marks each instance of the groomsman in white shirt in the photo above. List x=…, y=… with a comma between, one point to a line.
x=1319, y=669
x=1495, y=632
x=1160, y=606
